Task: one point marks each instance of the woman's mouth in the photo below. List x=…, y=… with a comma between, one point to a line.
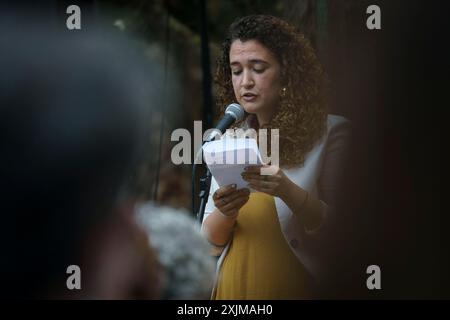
x=249, y=97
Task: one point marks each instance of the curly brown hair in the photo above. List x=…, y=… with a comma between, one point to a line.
x=302, y=113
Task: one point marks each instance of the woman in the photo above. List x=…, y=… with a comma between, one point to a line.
x=273, y=241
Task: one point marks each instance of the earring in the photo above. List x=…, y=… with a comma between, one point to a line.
x=283, y=92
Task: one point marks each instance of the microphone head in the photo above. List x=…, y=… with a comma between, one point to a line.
x=236, y=111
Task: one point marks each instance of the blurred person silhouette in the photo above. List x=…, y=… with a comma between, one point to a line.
x=187, y=267
x=74, y=114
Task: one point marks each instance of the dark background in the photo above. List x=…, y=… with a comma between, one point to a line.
x=392, y=84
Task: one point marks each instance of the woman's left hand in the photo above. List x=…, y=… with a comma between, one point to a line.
x=276, y=183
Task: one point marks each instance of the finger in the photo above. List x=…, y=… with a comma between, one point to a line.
x=233, y=202
x=267, y=190
x=220, y=202
x=236, y=204
x=223, y=191
x=262, y=184
x=249, y=175
x=237, y=194
x=253, y=169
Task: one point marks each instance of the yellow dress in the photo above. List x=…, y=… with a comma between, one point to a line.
x=259, y=263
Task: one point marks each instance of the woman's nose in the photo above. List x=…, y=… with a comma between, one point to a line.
x=247, y=80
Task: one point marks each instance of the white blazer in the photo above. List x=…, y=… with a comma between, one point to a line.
x=312, y=248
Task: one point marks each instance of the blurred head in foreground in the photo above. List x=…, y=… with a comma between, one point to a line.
x=74, y=109
x=181, y=250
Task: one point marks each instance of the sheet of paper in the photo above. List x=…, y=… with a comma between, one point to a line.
x=227, y=158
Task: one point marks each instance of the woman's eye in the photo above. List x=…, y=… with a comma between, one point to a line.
x=259, y=70
x=236, y=72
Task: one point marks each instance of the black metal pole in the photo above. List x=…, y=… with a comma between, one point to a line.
x=206, y=69
x=205, y=182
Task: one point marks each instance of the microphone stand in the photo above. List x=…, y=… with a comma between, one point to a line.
x=205, y=187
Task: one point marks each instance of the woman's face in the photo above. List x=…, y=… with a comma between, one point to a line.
x=255, y=73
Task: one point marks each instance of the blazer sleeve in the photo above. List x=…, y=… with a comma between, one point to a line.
x=320, y=249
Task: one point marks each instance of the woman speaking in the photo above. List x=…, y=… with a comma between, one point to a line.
x=275, y=242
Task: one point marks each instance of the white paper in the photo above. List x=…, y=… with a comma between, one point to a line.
x=227, y=158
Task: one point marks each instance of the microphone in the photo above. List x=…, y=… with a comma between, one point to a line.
x=234, y=112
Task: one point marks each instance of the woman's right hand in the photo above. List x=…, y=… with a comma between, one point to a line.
x=229, y=200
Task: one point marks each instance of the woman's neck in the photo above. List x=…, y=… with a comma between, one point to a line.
x=252, y=122
x=263, y=119
x=266, y=115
